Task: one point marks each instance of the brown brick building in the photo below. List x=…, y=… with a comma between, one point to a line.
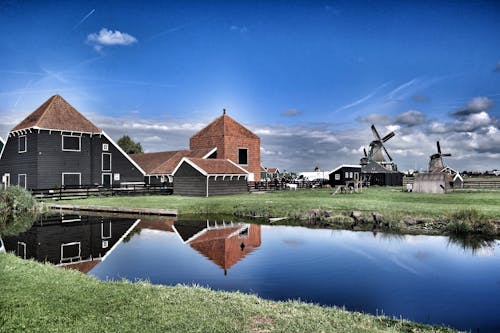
x=233, y=141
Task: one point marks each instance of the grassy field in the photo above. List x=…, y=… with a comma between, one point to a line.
x=38, y=297
x=391, y=202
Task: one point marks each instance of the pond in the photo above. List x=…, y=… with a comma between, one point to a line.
x=428, y=279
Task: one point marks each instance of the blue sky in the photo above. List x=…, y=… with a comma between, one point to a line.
x=308, y=77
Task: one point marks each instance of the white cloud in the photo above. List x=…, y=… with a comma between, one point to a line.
x=238, y=28
x=107, y=37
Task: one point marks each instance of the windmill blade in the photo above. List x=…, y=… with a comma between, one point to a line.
x=388, y=136
x=438, y=147
x=375, y=133
x=364, y=150
x=446, y=155
x=390, y=158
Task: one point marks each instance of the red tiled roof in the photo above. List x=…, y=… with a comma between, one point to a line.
x=164, y=163
x=272, y=170
x=57, y=114
x=225, y=126
x=217, y=166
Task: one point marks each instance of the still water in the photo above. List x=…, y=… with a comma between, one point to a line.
x=429, y=279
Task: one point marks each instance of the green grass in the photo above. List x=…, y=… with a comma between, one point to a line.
x=391, y=202
x=38, y=297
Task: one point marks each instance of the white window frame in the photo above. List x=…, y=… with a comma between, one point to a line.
x=356, y=175
x=105, y=147
x=72, y=136
x=102, y=231
x=248, y=159
x=337, y=176
x=110, y=178
x=346, y=174
x=71, y=173
x=71, y=258
x=110, y=162
x=19, y=144
x=351, y=175
x=7, y=179
x=25, y=179
x=23, y=244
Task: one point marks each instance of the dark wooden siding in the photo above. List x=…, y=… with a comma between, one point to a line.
x=189, y=181
x=17, y=163
x=227, y=186
x=44, y=162
x=343, y=178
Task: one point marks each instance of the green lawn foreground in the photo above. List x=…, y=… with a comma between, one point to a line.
x=390, y=201
x=38, y=297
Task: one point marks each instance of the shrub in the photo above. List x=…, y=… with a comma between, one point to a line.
x=18, y=210
x=470, y=221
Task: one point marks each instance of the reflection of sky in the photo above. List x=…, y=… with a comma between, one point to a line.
x=424, y=278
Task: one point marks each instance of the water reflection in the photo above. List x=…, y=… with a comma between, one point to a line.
x=222, y=243
x=478, y=245
x=72, y=241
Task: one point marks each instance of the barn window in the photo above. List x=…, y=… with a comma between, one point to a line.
x=21, y=180
x=346, y=174
x=243, y=156
x=71, y=251
x=106, y=162
x=337, y=176
x=105, y=147
x=71, y=179
x=22, y=144
x=350, y=175
x=71, y=143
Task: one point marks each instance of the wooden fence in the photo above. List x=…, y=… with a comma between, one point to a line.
x=469, y=183
x=79, y=192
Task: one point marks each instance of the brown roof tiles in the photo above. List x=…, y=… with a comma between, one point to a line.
x=217, y=166
x=225, y=126
x=57, y=114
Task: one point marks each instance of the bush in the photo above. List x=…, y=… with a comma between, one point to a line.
x=470, y=221
x=18, y=210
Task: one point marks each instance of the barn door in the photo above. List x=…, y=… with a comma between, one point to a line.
x=106, y=180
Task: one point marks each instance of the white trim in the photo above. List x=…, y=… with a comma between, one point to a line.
x=24, y=130
x=110, y=162
x=7, y=175
x=71, y=173
x=24, y=246
x=102, y=230
x=246, y=148
x=124, y=153
x=185, y=159
x=343, y=166
x=3, y=148
x=71, y=136
x=105, y=147
x=121, y=239
x=110, y=178
x=19, y=144
x=25, y=179
x=71, y=258
x=208, y=154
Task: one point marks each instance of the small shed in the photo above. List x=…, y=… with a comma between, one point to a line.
x=207, y=177
x=430, y=182
x=344, y=173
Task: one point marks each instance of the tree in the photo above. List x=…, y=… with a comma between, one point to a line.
x=18, y=210
x=129, y=145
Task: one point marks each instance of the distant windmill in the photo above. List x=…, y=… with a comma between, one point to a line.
x=436, y=163
x=377, y=148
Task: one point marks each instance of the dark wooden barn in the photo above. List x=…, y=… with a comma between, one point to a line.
x=57, y=146
x=344, y=173
x=207, y=177
x=383, y=178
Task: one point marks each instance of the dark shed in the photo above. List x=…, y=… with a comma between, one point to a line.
x=344, y=173
x=207, y=177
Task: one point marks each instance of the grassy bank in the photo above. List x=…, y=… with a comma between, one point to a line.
x=411, y=212
x=42, y=298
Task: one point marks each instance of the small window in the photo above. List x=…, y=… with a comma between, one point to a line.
x=346, y=174
x=71, y=143
x=21, y=180
x=71, y=251
x=243, y=156
x=71, y=179
x=105, y=147
x=22, y=144
x=350, y=175
x=106, y=162
x=337, y=176
x=356, y=176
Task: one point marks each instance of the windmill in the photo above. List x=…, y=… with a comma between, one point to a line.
x=378, y=152
x=436, y=163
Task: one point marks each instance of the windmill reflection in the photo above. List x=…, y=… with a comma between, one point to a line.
x=223, y=243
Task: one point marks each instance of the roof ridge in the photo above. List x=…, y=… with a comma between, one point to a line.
x=52, y=99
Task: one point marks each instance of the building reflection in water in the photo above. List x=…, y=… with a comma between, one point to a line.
x=223, y=243
x=72, y=241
